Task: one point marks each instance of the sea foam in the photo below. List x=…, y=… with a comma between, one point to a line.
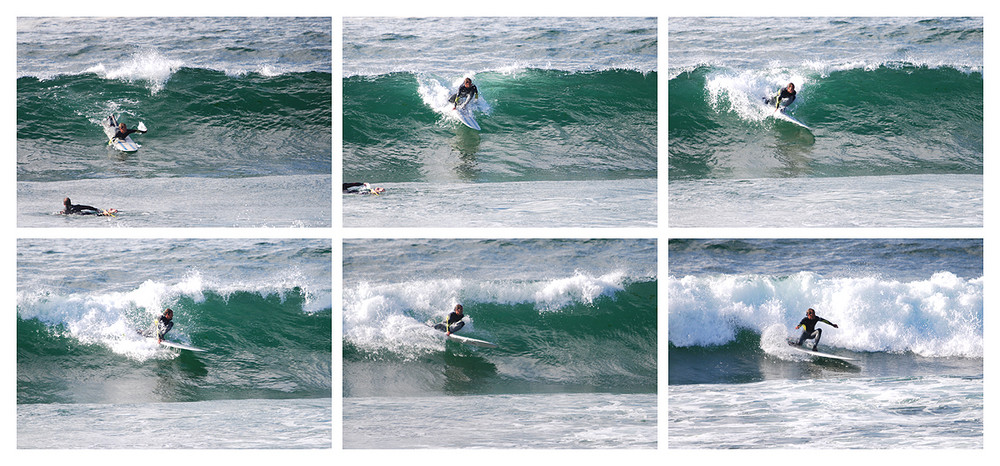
x=939, y=316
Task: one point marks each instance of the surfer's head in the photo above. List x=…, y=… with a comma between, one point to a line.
x=66, y=202
x=458, y=308
x=468, y=82
x=122, y=126
x=168, y=313
x=791, y=87
x=810, y=312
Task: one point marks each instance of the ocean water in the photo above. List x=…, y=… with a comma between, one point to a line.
x=574, y=321
x=893, y=101
x=910, y=312
x=260, y=308
x=595, y=203
x=235, y=108
x=562, y=100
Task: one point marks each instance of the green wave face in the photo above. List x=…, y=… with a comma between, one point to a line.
x=608, y=345
x=536, y=125
x=256, y=347
x=882, y=121
x=200, y=123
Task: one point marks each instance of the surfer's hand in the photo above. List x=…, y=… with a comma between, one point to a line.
x=835, y=326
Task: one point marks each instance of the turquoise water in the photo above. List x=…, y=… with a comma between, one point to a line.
x=261, y=309
x=575, y=322
x=894, y=108
x=909, y=312
x=247, y=99
x=561, y=100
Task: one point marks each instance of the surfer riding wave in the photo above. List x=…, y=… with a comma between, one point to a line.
x=466, y=89
x=809, y=330
x=454, y=322
x=783, y=98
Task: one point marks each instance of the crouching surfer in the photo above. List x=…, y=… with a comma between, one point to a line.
x=783, y=98
x=466, y=89
x=809, y=330
x=163, y=324
x=454, y=322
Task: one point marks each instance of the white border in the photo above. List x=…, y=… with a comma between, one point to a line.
x=663, y=11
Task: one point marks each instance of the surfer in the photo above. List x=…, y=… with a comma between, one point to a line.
x=809, y=330
x=466, y=89
x=362, y=188
x=163, y=324
x=786, y=93
x=79, y=209
x=123, y=132
x=454, y=322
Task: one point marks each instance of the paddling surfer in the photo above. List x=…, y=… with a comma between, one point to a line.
x=809, y=330
x=79, y=209
x=362, y=188
x=123, y=132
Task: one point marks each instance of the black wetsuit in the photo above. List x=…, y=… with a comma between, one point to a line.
x=784, y=94
x=453, y=318
x=121, y=135
x=787, y=95
x=79, y=209
x=463, y=91
x=351, y=187
x=809, y=330
x=163, y=325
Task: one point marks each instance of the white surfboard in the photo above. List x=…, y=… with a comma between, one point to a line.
x=781, y=115
x=174, y=344
x=471, y=341
x=464, y=340
x=818, y=354
x=464, y=114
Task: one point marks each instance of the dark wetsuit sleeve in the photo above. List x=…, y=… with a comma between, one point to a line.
x=123, y=135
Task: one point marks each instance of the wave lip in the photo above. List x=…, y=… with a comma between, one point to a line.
x=149, y=66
